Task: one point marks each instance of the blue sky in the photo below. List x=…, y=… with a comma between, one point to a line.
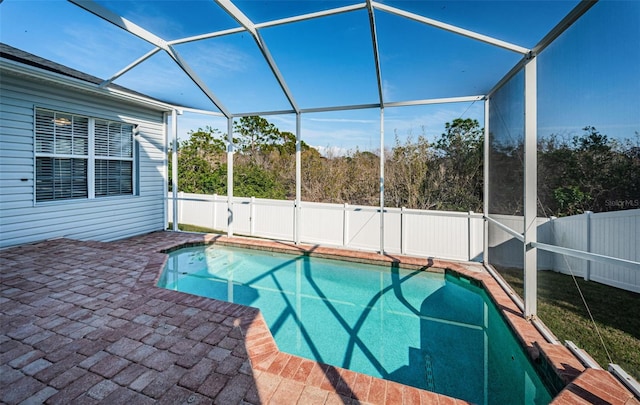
x=590, y=76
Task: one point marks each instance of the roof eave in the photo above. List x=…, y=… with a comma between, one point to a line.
x=61, y=79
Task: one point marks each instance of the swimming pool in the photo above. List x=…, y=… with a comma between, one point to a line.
x=428, y=330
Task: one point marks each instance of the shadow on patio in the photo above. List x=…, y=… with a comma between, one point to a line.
x=82, y=322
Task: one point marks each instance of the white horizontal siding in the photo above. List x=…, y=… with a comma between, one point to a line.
x=22, y=221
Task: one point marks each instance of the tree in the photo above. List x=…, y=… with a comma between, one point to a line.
x=444, y=175
x=254, y=133
x=406, y=170
x=457, y=181
x=588, y=172
x=251, y=180
x=200, y=159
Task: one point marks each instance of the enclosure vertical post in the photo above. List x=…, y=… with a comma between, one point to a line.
x=381, y=180
x=403, y=231
x=215, y=211
x=230, y=176
x=470, y=238
x=174, y=167
x=296, y=205
x=252, y=216
x=165, y=169
x=180, y=207
x=485, y=334
x=530, y=188
x=345, y=224
x=485, y=191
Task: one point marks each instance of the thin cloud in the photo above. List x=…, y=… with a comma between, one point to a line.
x=331, y=151
x=215, y=59
x=93, y=50
x=344, y=120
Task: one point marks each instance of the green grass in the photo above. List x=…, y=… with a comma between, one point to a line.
x=616, y=313
x=193, y=228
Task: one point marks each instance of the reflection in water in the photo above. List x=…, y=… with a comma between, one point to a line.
x=417, y=328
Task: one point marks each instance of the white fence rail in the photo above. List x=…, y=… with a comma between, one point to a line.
x=442, y=234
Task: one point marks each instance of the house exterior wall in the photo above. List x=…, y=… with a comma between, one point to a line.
x=22, y=220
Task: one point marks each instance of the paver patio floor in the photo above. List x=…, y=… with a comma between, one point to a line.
x=82, y=322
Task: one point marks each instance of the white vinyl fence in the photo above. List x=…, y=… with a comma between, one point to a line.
x=615, y=234
x=507, y=251
x=441, y=234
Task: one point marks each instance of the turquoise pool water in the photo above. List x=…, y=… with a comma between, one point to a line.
x=423, y=329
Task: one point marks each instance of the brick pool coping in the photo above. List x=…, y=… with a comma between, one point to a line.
x=84, y=322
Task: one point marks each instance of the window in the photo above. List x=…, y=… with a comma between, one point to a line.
x=67, y=167
x=114, y=158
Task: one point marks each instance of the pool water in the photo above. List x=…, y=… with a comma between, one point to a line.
x=427, y=330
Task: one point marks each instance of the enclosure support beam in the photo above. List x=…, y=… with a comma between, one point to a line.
x=297, y=209
x=229, y=177
x=530, y=188
x=243, y=20
x=119, y=21
x=129, y=67
x=376, y=55
x=381, y=181
x=485, y=191
x=174, y=167
x=451, y=28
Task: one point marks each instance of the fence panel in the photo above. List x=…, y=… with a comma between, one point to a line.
x=612, y=234
x=447, y=235
x=241, y=217
x=616, y=234
x=321, y=223
x=570, y=232
x=273, y=219
x=506, y=250
x=363, y=228
x=437, y=235
x=198, y=209
x=392, y=230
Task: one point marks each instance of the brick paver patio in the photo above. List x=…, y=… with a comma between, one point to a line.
x=82, y=322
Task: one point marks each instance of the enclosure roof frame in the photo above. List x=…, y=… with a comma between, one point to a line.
x=248, y=26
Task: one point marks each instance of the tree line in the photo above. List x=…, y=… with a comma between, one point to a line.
x=585, y=172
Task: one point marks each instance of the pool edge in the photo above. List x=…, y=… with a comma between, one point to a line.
x=566, y=373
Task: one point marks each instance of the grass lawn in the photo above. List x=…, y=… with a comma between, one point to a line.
x=193, y=228
x=616, y=312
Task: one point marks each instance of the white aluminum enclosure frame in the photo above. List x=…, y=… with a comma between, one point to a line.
x=530, y=187
x=527, y=63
